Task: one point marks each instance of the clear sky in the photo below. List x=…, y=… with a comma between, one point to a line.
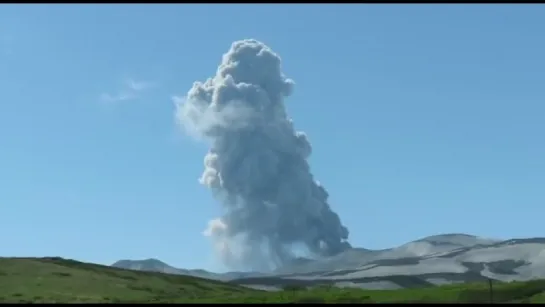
x=424, y=119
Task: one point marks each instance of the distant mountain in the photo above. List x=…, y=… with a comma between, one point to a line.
x=439, y=259
x=154, y=265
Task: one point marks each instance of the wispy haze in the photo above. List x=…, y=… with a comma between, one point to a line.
x=423, y=119
x=130, y=90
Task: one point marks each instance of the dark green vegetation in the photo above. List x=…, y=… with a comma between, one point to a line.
x=62, y=281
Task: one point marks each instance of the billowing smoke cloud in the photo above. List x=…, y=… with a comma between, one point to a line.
x=257, y=164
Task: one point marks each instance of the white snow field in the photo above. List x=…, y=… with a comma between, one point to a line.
x=435, y=260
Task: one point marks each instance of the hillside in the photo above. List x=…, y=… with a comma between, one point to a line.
x=57, y=280
x=60, y=280
x=434, y=260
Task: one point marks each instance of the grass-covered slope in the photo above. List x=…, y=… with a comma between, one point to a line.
x=63, y=281
x=60, y=280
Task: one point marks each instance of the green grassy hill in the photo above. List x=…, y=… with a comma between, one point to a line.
x=63, y=281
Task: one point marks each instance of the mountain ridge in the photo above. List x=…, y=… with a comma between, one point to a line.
x=438, y=259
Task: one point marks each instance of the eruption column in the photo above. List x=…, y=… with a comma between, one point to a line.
x=257, y=164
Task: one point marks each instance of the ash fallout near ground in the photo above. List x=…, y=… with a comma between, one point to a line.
x=257, y=164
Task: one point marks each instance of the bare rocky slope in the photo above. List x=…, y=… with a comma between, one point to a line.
x=434, y=260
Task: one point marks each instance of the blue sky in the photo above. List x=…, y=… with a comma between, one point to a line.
x=424, y=119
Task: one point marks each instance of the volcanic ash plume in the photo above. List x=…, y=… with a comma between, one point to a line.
x=257, y=164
